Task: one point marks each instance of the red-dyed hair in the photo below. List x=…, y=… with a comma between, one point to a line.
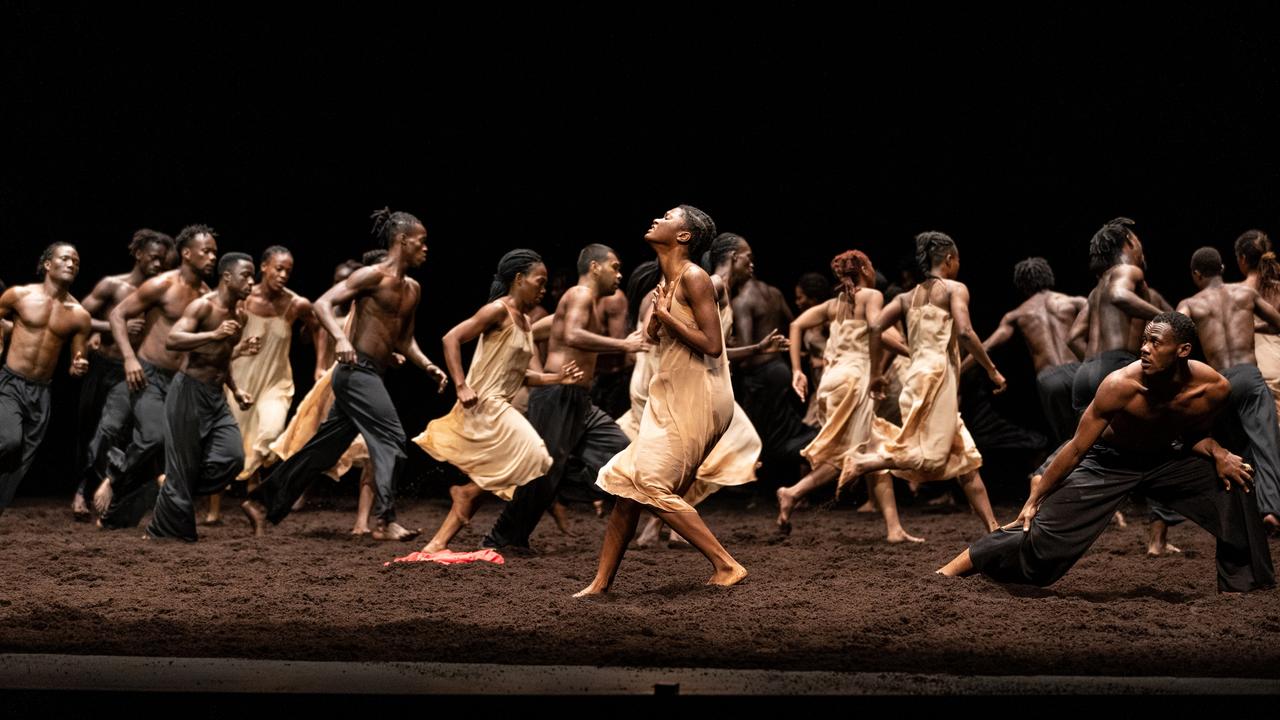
x=852, y=264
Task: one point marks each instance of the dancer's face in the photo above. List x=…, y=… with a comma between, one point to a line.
x=63, y=266
x=744, y=266
x=1133, y=248
x=1160, y=349
x=239, y=279
x=804, y=302
x=415, y=245
x=202, y=255
x=276, y=271
x=528, y=288
x=669, y=229
x=608, y=274
x=151, y=259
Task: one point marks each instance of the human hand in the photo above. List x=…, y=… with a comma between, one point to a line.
x=570, y=373
x=79, y=365
x=800, y=384
x=1233, y=469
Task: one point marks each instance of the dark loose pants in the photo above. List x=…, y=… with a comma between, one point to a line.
x=1091, y=374
x=202, y=453
x=1055, y=387
x=572, y=427
x=24, y=416
x=105, y=416
x=1253, y=404
x=1075, y=514
x=133, y=470
x=767, y=398
x=361, y=406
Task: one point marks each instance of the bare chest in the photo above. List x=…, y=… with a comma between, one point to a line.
x=45, y=314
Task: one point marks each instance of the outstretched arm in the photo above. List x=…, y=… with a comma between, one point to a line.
x=407, y=345
x=815, y=316
x=1001, y=335
x=577, y=308
x=968, y=338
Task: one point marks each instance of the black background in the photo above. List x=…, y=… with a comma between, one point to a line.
x=1019, y=131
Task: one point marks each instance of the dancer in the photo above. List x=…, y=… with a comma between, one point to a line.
x=845, y=407
x=45, y=316
x=813, y=289
x=609, y=389
x=386, y=301
x=564, y=416
x=162, y=300
x=932, y=443
x=272, y=311
x=690, y=405
x=202, y=445
x=1146, y=430
x=763, y=382
x=483, y=436
x=104, y=394
x=1044, y=320
x=1257, y=261
x=1224, y=316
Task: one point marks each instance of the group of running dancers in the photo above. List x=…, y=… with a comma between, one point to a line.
x=626, y=393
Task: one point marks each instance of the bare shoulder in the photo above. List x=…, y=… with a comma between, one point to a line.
x=1209, y=381
x=573, y=297
x=1123, y=384
x=617, y=302
x=363, y=278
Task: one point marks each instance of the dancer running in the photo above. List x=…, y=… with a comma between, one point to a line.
x=932, y=443
x=689, y=408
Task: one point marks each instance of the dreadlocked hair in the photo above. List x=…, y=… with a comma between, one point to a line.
x=932, y=248
x=1032, y=275
x=388, y=224
x=644, y=278
x=146, y=236
x=190, y=233
x=701, y=227
x=47, y=255
x=815, y=286
x=722, y=248
x=1255, y=247
x=1106, y=244
x=512, y=264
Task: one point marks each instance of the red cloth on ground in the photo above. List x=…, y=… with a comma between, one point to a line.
x=449, y=557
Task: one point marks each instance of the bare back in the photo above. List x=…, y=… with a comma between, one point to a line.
x=577, y=310
x=1224, y=320
x=174, y=297
x=613, y=313
x=759, y=309
x=42, y=324
x=1112, y=326
x=384, y=313
x=1044, y=320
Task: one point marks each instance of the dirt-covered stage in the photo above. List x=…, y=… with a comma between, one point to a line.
x=830, y=597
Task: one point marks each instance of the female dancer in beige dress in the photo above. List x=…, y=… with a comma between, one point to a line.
x=844, y=405
x=483, y=435
x=689, y=408
x=264, y=372
x=932, y=443
x=1257, y=260
x=813, y=289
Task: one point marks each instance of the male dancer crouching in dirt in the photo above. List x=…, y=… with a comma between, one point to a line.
x=203, y=450
x=1146, y=430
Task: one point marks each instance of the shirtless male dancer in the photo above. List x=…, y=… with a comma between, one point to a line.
x=386, y=303
x=570, y=424
x=161, y=300
x=1147, y=429
x=202, y=446
x=1224, y=316
x=1044, y=320
x=104, y=395
x=44, y=317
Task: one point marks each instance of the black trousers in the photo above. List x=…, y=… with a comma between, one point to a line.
x=361, y=406
x=1091, y=374
x=105, y=418
x=202, y=453
x=767, y=398
x=133, y=470
x=1075, y=514
x=24, y=416
x=1255, y=409
x=611, y=392
x=572, y=427
x=1055, y=388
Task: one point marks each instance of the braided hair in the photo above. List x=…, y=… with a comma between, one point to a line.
x=722, y=248
x=512, y=264
x=388, y=224
x=932, y=248
x=1255, y=247
x=1106, y=244
x=1032, y=275
x=701, y=227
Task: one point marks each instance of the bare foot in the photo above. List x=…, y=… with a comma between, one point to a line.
x=866, y=507
x=559, y=513
x=900, y=535
x=677, y=540
x=1158, y=543
x=1167, y=548
x=80, y=508
x=299, y=504
x=394, y=531
x=433, y=548
x=359, y=532
x=649, y=534
x=946, y=500
x=102, y=497
x=960, y=566
x=1119, y=520
x=257, y=515
x=212, y=519
x=599, y=506
x=1272, y=523
x=592, y=589
x=786, y=503
x=734, y=575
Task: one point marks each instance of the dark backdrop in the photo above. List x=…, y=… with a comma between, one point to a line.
x=1018, y=132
